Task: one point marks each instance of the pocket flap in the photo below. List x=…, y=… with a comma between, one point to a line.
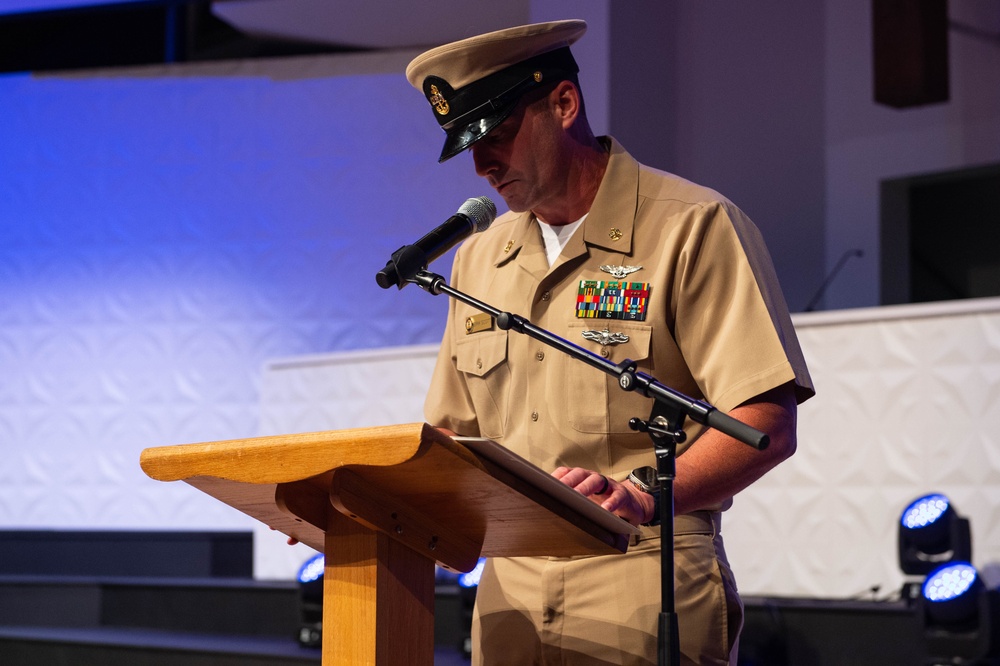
x=479, y=353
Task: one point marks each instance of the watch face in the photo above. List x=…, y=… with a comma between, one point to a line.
x=645, y=478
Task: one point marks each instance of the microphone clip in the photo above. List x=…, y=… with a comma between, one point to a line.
x=403, y=264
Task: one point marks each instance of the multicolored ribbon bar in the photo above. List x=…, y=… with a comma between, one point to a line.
x=612, y=299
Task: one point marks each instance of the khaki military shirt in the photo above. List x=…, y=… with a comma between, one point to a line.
x=715, y=326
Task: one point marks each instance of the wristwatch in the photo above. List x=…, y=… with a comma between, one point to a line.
x=644, y=478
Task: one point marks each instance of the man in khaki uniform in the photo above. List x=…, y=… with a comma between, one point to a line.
x=629, y=262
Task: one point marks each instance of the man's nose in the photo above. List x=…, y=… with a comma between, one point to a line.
x=481, y=157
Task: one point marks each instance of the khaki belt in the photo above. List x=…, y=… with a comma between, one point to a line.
x=696, y=522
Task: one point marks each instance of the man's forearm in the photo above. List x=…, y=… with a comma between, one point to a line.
x=716, y=467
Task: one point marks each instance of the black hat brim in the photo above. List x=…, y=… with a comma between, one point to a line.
x=463, y=136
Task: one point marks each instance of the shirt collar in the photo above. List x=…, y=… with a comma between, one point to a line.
x=610, y=222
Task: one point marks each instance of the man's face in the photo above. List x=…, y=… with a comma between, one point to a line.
x=519, y=158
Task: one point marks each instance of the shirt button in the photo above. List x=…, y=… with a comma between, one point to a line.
x=539, y=355
x=605, y=352
x=479, y=363
x=547, y=295
x=534, y=416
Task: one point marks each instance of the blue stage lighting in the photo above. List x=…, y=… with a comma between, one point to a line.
x=949, y=581
x=931, y=533
x=312, y=569
x=960, y=616
x=471, y=579
x=924, y=511
x=310, y=579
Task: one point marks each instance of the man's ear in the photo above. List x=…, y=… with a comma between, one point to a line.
x=565, y=99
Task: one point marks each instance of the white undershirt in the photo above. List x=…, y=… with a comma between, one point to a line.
x=555, y=238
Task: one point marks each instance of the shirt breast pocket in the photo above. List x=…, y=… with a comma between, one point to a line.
x=595, y=403
x=482, y=359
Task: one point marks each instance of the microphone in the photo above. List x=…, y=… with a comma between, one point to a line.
x=475, y=215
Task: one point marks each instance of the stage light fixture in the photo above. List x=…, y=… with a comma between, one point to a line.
x=471, y=578
x=932, y=533
x=468, y=584
x=310, y=579
x=960, y=616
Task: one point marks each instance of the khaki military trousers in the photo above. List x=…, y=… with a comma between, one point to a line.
x=597, y=611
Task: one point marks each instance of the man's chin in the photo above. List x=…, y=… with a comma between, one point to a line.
x=513, y=205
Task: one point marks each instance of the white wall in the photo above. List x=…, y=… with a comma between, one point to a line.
x=907, y=404
x=355, y=389
x=164, y=231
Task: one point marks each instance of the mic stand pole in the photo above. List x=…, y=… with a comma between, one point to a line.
x=665, y=428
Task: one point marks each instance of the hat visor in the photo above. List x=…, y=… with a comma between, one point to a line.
x=460, y=138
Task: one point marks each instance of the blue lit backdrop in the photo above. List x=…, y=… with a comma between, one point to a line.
x=164, y=231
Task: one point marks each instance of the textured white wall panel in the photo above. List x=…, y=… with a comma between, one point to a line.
x=908, y=402
x=333, y=392
x=163, y=232
x=346, y=390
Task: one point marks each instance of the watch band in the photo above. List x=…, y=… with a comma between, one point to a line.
x=655, y=520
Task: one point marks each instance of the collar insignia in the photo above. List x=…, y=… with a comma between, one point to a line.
x=620, y=272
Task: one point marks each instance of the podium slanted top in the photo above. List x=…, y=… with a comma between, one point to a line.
x=417, y=485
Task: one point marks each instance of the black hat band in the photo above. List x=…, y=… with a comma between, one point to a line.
x=493, y=92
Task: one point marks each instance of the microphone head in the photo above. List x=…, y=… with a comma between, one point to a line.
x=481, y=211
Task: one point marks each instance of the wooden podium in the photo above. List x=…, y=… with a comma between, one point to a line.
x=385, y=504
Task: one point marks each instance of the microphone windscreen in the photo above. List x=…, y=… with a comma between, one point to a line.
x=481, y=210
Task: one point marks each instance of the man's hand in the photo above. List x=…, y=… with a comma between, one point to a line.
x=622, y=499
